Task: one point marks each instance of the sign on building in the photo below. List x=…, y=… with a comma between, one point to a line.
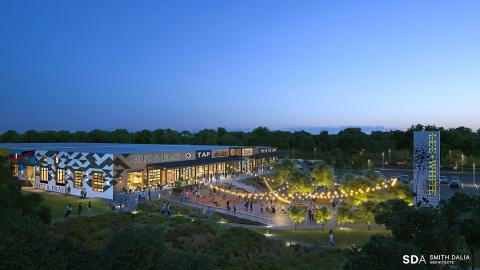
x=426, y=168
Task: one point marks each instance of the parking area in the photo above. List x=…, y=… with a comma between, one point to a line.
x=467, y=181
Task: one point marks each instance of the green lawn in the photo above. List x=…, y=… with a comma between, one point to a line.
x=58, y=202
x=342, y=237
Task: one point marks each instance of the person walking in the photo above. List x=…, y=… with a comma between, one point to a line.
x=251, y=205
x=228, y=205
x=234, y=209
x=79, y=208
x=89, y=207
x=66, y=211
x=330, y=239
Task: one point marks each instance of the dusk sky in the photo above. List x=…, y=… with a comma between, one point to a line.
x=81, y=65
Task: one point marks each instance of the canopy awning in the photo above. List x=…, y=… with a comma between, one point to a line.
x=195, y=162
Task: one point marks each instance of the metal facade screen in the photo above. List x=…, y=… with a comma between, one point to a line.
x=426, y=168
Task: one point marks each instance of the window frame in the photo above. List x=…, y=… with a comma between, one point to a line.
x=60, y=172
x=76, y=173
x=43, y=170
x=96, y=184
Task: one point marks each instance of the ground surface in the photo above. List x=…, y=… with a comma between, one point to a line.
x=343, y=238
x=58, y=202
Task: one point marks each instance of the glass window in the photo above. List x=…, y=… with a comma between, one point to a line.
x=135, y=179
x=60, y=176
x=78, y=179
x=30, y=175
x=97, y=182
x=44, y=174
x=15, y=168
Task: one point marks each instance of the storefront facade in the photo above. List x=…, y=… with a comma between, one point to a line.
x=100, y=170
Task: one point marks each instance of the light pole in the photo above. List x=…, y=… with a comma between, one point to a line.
x=315, y=152
x=450, y=153
x=383, y=160
x=475, y=184
x=462, y=163
x=368, y=163
x=389, y=151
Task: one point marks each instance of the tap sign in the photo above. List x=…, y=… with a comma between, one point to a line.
x=204, y=154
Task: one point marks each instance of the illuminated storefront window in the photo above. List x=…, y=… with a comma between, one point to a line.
x=60, y=179
x=44, y=174
x=97, y=182
x=30, y=173
x=15, y=168
x=154, y=177
x=78, y=179
x=135, y=179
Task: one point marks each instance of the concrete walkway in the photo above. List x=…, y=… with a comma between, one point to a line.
x=256, y=218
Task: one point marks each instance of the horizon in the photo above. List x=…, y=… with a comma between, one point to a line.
x=311, y=130
x=239, y=65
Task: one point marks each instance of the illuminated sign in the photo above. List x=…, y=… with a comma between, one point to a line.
x=426, y=167
x=267, y=150
x=205, y=154
x=220, y=153
x=160, y=157
x=247, y=152
x=235, y=152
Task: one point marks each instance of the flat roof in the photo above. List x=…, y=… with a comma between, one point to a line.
x=112, y=148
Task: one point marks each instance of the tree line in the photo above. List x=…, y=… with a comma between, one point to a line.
x=349, y=148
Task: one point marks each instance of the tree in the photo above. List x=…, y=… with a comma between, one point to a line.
x=345, y=214
x=297, y=215
x=385, y=211
x=463, y=211
x=323, y=174
x=365, y=212
x=381, y=252
x=427, y=229
x=323, y=215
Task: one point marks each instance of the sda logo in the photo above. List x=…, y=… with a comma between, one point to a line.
x=413, y=259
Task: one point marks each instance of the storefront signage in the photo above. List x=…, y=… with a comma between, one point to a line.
x=220, y=153
x=204, y=154
x=267, y=150
x=247, y=152
x=426, y=167
x=235, y=152
x=53, y=188
x=160, y=157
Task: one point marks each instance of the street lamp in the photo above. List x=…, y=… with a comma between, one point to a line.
x=383, y=160
x=475, y=184
x=315, y=152
x=389, y=151
x=462, y=163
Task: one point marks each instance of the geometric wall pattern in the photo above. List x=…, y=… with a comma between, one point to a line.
x=88, y=163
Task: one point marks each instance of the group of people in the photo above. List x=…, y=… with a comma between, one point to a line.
x=166, y=209
x=69, y=209
x=207, y=213
x=122, y=205
x=83, y=193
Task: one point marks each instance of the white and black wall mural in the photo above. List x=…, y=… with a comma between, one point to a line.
x=71, y=164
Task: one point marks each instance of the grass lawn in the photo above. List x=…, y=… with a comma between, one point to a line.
x=342, y=237
x=58, y=202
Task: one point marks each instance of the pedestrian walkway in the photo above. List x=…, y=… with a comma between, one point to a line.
x=256, y=218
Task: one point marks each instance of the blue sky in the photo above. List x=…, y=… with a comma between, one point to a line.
x=81, y=65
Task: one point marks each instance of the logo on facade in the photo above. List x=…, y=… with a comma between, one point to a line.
x=188, y=155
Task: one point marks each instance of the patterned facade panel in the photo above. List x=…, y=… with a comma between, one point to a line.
x=87, y=163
